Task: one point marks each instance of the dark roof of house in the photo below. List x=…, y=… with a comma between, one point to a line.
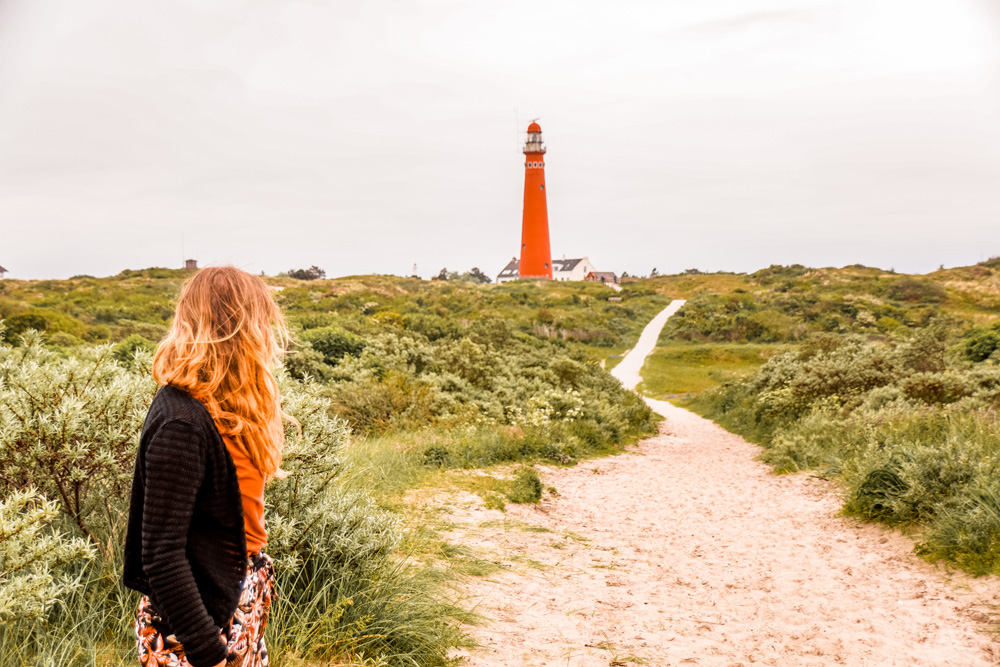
x=565, y=264
x=510, y=271
x=3, y=270
x=602, y=274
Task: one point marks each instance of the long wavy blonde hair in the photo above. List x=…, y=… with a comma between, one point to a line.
x=226, y=334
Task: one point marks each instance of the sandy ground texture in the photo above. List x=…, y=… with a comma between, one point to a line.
x=688, y=551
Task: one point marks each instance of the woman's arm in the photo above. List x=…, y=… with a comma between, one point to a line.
x=175, y=468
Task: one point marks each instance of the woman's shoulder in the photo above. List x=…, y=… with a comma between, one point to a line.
x=172, y=404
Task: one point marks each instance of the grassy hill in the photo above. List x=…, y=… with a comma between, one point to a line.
x=782, y=306
x=87, y=309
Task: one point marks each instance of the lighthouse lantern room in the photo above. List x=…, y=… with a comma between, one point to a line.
x=536, y=255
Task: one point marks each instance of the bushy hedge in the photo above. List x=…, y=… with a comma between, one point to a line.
x=909, y=428
x=791, y=303
x=518, y=396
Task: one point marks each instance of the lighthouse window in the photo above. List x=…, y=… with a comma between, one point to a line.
x=542, y=186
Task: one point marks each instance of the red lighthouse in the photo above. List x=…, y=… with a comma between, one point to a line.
x=536, y=257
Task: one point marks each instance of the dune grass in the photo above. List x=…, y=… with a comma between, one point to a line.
x=689, y=368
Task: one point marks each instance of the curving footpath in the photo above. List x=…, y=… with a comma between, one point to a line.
x=688, y=551
x=629, y=370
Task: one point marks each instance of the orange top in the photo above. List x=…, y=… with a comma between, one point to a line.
x=252, y=491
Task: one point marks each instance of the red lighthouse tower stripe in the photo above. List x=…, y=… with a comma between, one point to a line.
x=536, y=256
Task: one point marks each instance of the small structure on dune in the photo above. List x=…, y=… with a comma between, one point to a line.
x=604, y=277
x=190, y=265
x=2, y=271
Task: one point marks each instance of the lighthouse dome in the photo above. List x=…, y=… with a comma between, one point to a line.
x=534, y=127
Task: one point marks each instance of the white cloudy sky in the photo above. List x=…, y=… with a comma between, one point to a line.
x=368, y=136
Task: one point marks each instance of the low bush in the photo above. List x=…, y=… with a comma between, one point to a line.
x=526, y=487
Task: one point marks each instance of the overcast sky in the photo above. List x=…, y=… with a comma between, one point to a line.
x=365, y=137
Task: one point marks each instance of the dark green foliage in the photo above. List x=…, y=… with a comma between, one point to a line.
x=474, y=275
x=125, y=351
x=915, y=290
x=979, y=344
x=333, y=344
x=526, y=487
x=312, y=273
x=874, y=496
x=785, y=304
x=18, y=324
x=303, y=361
x=394, y=400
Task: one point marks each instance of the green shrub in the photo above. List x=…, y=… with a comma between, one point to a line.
x=125, y=351
x=19, y=324
x=967, y=530
x=395, y=400
x=333, y=343
x=980, y=344
x=33, y=557
x=526, y=487
x=304, y=362
x=916, y=290
x=63, y=339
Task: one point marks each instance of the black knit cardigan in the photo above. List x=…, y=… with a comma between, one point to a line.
x=186, y=547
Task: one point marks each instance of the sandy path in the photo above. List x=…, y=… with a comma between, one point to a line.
x=628, y=369
x=688, y=551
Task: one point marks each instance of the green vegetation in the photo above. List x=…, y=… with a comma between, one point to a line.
x=783, y=306
x=689, y=368
x=889, y=384
x=434, y=379
x=526, y=487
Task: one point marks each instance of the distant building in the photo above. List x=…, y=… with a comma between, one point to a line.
x=562, y=269
x=2, y=271
x=571, y=269
x=191, y=264
x=509, y=272
x=602, y=277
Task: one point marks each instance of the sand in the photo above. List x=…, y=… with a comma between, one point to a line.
x=686, y=550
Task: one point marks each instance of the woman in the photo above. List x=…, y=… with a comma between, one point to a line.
x=212, y=438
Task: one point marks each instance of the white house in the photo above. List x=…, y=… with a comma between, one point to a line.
x=571, y=269
x=562, y=269
x=509, y=272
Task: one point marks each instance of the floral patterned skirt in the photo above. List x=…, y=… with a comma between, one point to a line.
x=245, y=632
